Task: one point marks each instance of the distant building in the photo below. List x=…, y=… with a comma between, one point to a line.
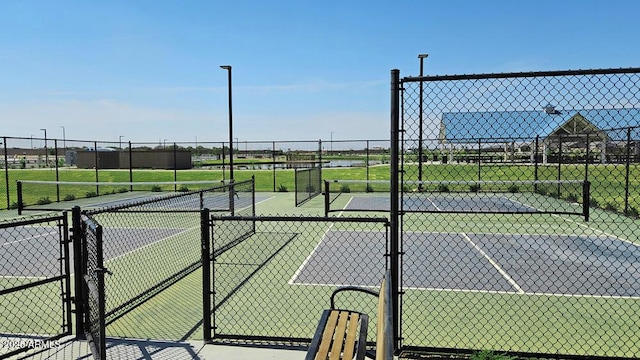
x=140, y=159
x=604, y=130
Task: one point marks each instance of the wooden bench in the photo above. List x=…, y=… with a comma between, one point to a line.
x=342, y=334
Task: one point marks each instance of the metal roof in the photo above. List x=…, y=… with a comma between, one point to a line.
x=461, y=126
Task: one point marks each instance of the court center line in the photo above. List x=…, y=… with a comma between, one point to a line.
x=596, y=230
x=293, y=279
x=29, y=238
x=495, y=265
x=434, y=204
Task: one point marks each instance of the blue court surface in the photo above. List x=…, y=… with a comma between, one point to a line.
x=503, y=263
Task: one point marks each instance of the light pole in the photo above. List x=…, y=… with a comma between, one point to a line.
x=331, y=144
x=46, y=153
x=421, y=57
x=228, y=68
x=64, y=138
x=120, y=141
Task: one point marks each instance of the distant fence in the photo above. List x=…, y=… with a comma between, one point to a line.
x=272, y=162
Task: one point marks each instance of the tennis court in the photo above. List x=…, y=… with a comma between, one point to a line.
x=563, y=265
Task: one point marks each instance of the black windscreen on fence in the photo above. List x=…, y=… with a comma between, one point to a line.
x=308, y=184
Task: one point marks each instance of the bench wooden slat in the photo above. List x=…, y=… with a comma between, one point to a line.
x=327, y=335
x=352, y=333
x=338, y=339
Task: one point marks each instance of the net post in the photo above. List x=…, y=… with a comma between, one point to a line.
x=20, y=202
x=253, y=195
x=295, y=182
x=130, y=168
x=76, y=239
x=627, y=166
x=95, y=148
x=326, y=198
x=535, y=163
x=6, y=171
x=586, y=188
x=175, y=167
x=205, y=241
x=55, y=147
x=273, y=162
x=232, y=191
x=586, y=163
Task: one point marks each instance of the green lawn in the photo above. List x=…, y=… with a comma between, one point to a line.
x=609, y=187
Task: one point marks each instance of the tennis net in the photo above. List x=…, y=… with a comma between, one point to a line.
x=57, y=195
x=308, y=184
x=487, y=196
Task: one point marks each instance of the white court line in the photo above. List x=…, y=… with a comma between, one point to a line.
x=495, y=265
x=434, y=204
x=304, y=263
x=26, y=277
x=29, y=238
x=151, y=243
x=596, y=230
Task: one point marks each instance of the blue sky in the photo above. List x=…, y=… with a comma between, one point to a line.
x=149, y=70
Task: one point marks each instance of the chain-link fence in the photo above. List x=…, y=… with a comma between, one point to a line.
x=69, y=169
x=274, y=284
x=93, y=287
x=521, y=281
x=149, y=246
x=35, y=293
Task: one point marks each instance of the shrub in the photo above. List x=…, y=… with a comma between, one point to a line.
x=183, y=188
x=69, y=197
x=443, y=188
x=282, y=188
x=593, y=202
x=632, y=212
x=609, y=206
x=122, y=190
x=572, y=198
x=490, y=355
x=513, y=189
x=14, y=205
x=345, y=188
x=156, y=188
x=90, y=194
x=369, y=188
x=43, y=201
x=474, y=188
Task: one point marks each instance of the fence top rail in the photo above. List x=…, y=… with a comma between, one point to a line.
x=124, y=183
x=4, y=224
x=167, y=197
x=382, y=220
x=507, y=75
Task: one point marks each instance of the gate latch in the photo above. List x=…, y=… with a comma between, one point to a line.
x=103, y=270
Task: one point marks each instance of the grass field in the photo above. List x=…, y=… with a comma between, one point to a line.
x=609, y=185
x=255, y=297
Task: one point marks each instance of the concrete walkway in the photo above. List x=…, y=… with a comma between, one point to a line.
x=153, y=349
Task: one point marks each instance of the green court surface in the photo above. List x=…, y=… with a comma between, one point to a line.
x=256, y=294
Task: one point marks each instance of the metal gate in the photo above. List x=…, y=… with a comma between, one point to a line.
x=516, y=212
x=35, y=284
x=93, y=287
x=268, y=278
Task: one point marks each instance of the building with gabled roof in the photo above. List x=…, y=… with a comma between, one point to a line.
x=569, y=128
